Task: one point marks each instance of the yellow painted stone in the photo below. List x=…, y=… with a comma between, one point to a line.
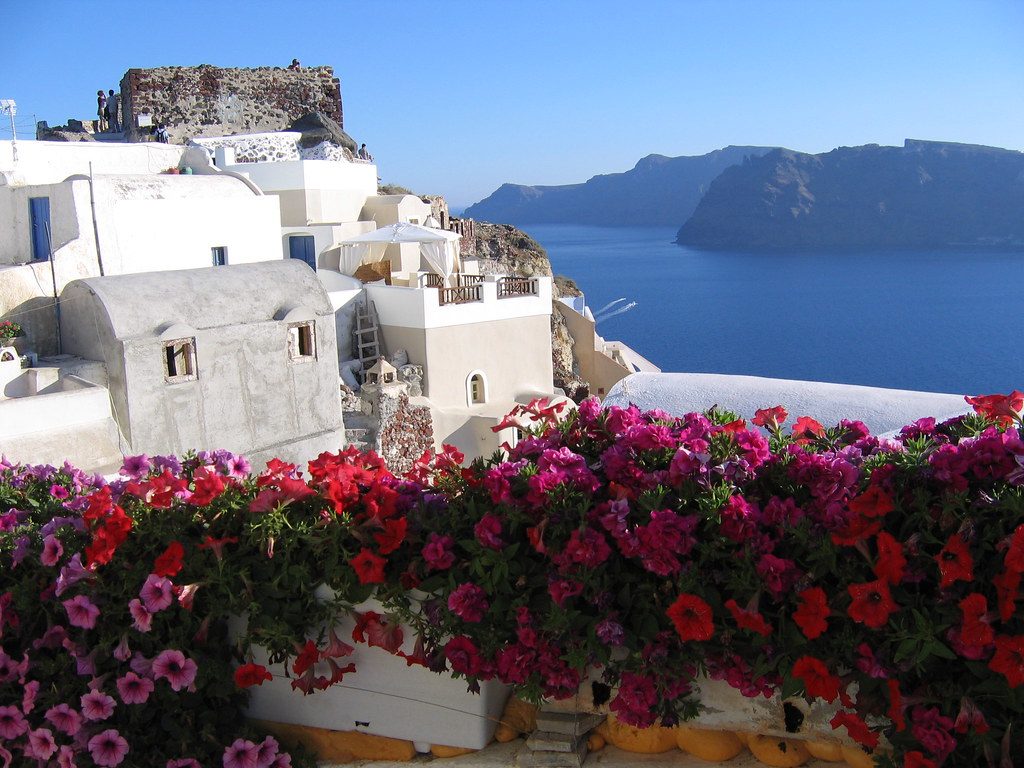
x=778, y=753
x=858, y=758
x=518, y=718
x=825, y=750
x=595, y=742
x=340, y=746
x=647, y=741
x=712, y=746
x=744, y=737
x=440, y=750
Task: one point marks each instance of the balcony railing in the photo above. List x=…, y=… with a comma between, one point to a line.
x=465, y=280
x=464, y=294
x=516, y=286
x=433, y=280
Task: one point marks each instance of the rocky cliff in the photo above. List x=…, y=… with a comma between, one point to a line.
x=922, y=195
x=658, y=191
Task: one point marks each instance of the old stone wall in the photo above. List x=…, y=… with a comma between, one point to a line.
x=405, y=432
x=210, y=101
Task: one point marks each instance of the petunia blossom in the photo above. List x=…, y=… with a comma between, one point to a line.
x=142, y=619
x=52, y=550
x=242, y=753
x=64, y=719
x=97, y=705
x=174, y=667
x=134, y=689
x=40, y=744
x=108, y=748
x=81, y=612
x=12, y=723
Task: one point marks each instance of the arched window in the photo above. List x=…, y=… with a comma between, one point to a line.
x=476, y=388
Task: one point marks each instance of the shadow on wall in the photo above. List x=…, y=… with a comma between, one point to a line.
x=38, y=320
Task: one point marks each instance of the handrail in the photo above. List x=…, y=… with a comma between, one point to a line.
x=517, y=286
x=461, y=295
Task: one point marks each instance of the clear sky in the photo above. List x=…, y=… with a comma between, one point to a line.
x=456, y=97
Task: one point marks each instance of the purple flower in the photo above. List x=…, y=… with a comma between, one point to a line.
x=20, y=551
x=468, y=602
x=437, y=552
x=72, y=573
x=12, y=723
x=9, y=520
x=173, y=666
x=64, y=719
x=108, y=748
x=28, y=696
x=136, y=467
x=171, y=463
x=268, y=750
x=611, y=633
x=241, y=754
x=97, y=706
x=142, y=619
x=81, y=612
x=239, y=467
x=122, y=652
x=134, y=689
x=52, y=550
x=40, y=744
x=66, y=757
x=59, y=491
x=156, y=593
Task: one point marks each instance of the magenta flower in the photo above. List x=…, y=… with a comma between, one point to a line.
x=28, y=696
x=142, y=619
x=173, y=666
x=437, y=553
x=283, y=760
x=66, y=757
x=12, y=723
x=241, y=754
x=156, y=593
x=97, y=706
x=108, y=748
x=488, y=532
x=64, y=719
x=59, y=491
x=71, y=574
x=267, y=754
x=52, y=550
x=134, y=689
x=122, y=652
x=136, y=467
x=40, y=744
x=468, y=602
x=81, y=612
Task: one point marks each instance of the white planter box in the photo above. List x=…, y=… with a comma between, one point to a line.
x=385, y=697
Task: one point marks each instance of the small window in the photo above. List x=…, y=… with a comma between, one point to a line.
x=302, y=342
x=476, y=389
x=414, y=221
x=180, y=360
x=220, y=255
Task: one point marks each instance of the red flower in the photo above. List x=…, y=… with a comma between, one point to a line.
x=818, y=681
x=369, y=567
x=1015, y=554
x=976, y=630
x=392, y=536
x=890, y=562
x=171, y=561
x=306, y=658
x=805, y=428
x=734, y=426
x=813, y=611
x=249, y=675
x=1007, y=589
x=858, y=529
x=872, y=604
x=463, y=655
x=970, y=718
x=873, y=502
x=374, y=629
x=896, y=705
x=955, y=562
x=208, y=486
x=217, y=545
x=856, y=727
x=1009, y=658
x=748, y=619
x=1002, y=409
x=691, y=617
x=916, y=759
x=770, y=418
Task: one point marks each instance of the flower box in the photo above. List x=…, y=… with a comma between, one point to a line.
x=385, y=697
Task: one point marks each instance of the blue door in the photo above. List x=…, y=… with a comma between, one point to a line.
x=39, y=211
x=301, y=247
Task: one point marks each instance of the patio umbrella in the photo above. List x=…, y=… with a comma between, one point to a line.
x=439, y=247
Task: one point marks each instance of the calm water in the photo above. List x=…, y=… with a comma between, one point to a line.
x=937, y=321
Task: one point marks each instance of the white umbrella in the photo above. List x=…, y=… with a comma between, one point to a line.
x=439, y=247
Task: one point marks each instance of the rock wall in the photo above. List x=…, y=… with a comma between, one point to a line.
x=211, y=101
x=405, y=432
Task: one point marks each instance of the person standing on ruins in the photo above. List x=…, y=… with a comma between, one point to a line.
x=101, y=111
x=113, y=112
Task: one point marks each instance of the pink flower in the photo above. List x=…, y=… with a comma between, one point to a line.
x=40, y=744
x=108, y=748
x=52, y=550
x=241, y=754
x=142, y=618
x=66, y=757
x=81, y=612
x=12, y=723
x=134, y=689
x=96, y=705
x=28, y=697
x=122, y=652
x=175, y=668
x=156, y=593
x=64, y=719
x=268, y=749
x=437, y=553
x=468, y=602
x=488, y=532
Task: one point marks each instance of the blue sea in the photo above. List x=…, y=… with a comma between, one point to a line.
x=942, y=321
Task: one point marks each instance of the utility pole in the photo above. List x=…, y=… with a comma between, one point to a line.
x=8, y=106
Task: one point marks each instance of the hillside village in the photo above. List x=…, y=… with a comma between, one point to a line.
x=250, y=289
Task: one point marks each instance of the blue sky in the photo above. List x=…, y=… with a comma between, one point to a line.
x=458, y=97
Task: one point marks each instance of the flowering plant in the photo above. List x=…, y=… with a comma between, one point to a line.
x=9, y=329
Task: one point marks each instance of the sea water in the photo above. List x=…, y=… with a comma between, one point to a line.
x=941, y=321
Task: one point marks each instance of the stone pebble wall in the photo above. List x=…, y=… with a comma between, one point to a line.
x=272, y=147
x=211, y=101
x=405, y=432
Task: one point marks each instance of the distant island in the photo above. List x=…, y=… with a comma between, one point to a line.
x=659, y=191
x=925, y=194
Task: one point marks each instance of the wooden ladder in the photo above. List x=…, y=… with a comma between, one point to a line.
x=366, y=336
